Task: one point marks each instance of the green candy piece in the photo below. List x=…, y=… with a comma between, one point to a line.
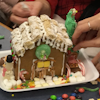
x=13, y=55
x=53, y=97
x=1, y=37
x=70, y=23
x=78, y=99
x=11, y=50
x=89, y=89
x=43, y=51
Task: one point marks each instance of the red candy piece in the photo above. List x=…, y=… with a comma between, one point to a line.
x=69, y=52
x=99, y=91
x=64, y=96
x=72, y=98
x=81, y=90
x=10, y=41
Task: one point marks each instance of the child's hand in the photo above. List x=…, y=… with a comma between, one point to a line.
x=20, y=14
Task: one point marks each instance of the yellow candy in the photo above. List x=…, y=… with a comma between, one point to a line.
x=46, y=63
x=18, y=86
x=98, y=99
x=67, y=80
x=12, y=95
x=31, y=84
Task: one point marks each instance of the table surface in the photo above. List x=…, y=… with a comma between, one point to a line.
x=45, y=93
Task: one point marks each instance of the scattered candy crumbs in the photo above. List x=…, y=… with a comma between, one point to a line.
x=12, y=95
x=89, y=89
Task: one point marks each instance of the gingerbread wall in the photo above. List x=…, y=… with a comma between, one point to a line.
x=26, y=62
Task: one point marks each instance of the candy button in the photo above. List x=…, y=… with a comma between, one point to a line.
x=75, y=91
x=72, y=98
x=79, y=97
x=65, y=96
x=73, y=94
x=53, y=97
x=81, y=90
x=59, y=98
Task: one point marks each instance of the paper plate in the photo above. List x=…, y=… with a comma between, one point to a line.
x=91, y=73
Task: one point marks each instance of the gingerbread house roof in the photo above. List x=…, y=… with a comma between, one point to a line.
x=37, y=29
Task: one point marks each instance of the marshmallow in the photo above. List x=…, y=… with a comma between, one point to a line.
x=19, y=82
x=5, y=81
x=42, y=81
x=45, y=84
x=51, y=83
x=38, y=85
x=55, y=78
x=36, y=79
x=72, y=79
x=37, y=82
x=48, y=77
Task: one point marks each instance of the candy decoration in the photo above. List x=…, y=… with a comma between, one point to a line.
x=21, y=74
x=89, y=89
x=78, y=99
x=68, y=70
x=72, y=98
x=81, y=66
x=81, y=90
x=59, y=98
x=64, y=96
x=53, y=97
x=73, y=94
x=43, y=51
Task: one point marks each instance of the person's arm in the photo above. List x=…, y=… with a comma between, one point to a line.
x=5, y=8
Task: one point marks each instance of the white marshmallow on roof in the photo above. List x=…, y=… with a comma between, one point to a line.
x=72, y=79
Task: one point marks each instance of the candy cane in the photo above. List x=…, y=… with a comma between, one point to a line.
x=81, y=66
x=68, y=70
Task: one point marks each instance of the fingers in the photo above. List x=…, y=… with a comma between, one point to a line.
x=79, y=30
x=89, y=43
x=98, y=67
x=96, y=59
x=16, y=19
x=19, y=11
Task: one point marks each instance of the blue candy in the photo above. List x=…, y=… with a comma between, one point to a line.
x=59, y=98
x=73, y=94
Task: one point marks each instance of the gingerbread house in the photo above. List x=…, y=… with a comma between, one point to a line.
x=39, y=46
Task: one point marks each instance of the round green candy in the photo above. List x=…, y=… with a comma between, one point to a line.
x=43, y=51
x=53, y=97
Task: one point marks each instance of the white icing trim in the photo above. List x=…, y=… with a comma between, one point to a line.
x=62, y=71
x=39, y=42
x=19, y=63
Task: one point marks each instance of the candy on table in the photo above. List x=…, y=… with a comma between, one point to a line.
x=94, y=82
x=98, y=99
x=72, y=98
x=73, y=94
x=92, y=99
x=76, y=91
x=81, y=90
x=53, y=97
x=64, y=96
x=99, y=91
x=49, y=99
x=79, y=97
x=89, y=89
x=59, y=98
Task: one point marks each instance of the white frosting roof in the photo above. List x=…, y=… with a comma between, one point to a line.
x=39, y=29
